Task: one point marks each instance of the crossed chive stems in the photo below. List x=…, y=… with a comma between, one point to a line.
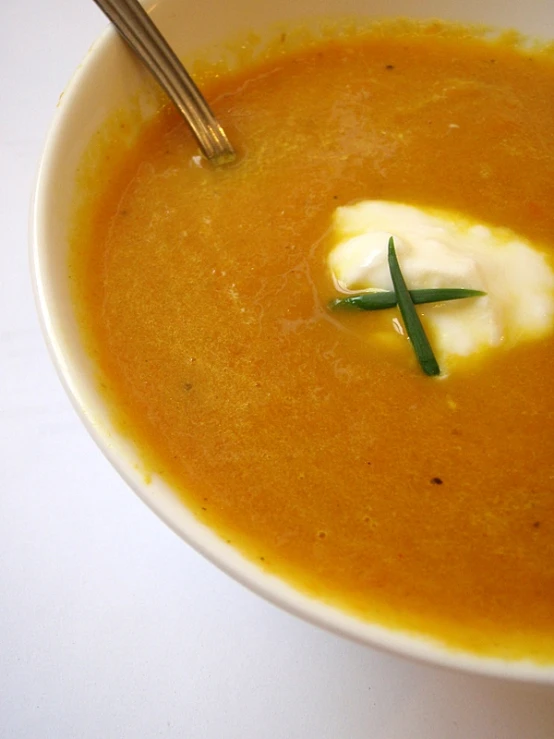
x=406, y=300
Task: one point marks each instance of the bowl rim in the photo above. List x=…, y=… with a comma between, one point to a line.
x=191, y=530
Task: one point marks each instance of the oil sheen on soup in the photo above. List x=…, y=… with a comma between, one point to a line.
x=309, y=437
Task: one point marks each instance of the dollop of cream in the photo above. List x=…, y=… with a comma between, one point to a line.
x=443, y=249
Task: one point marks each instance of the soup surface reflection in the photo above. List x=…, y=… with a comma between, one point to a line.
x=421, y=503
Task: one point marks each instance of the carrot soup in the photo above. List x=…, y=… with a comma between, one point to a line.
x=306, y=433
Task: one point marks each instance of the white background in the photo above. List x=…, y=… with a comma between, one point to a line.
x=111, y=627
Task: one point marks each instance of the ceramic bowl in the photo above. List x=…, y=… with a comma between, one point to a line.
x=108, y=79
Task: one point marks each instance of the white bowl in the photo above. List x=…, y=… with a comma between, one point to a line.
x=107, y=79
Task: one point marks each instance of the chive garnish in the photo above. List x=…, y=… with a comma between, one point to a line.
x=412, y=322
x=387, y=298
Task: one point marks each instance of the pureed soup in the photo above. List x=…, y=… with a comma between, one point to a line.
x=306, y=436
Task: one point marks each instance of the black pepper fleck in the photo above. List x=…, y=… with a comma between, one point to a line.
x=536, y=524
x=389, y=66
x=436, y=481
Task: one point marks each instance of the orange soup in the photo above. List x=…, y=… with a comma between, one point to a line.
x=420, y=503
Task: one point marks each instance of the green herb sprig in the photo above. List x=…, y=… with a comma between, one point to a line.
x=414, y=328
x=387, y=298
x=406, y=300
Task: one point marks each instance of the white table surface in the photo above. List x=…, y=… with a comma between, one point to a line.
x=110, y=626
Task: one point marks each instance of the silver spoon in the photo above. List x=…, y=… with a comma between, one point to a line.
x=134, y=24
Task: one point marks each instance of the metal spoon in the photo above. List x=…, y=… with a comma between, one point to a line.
x=134, y=24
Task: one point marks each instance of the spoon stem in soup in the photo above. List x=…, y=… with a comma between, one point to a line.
x=144, y=38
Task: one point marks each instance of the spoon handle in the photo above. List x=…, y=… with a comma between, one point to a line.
x=134, y=24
